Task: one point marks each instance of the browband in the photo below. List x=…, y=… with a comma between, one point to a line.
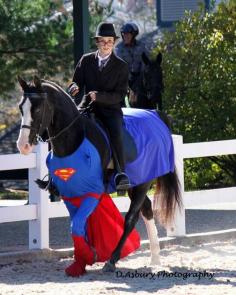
x=36, y=95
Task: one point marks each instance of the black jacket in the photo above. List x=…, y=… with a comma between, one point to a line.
x=111, y=83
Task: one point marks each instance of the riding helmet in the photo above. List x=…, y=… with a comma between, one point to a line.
x=130, y=28
x=106, y=30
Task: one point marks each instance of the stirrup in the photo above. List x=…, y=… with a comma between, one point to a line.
x=122, y=182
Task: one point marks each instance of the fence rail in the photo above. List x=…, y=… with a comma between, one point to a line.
x=40, y=209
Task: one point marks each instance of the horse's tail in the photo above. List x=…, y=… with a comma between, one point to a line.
x=167, y=119
x=167, y=197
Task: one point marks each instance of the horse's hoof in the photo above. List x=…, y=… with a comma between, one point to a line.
x=109, y=267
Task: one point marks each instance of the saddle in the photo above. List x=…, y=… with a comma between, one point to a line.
x=129, y=146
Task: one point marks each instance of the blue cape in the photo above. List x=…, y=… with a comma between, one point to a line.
x=154, y=146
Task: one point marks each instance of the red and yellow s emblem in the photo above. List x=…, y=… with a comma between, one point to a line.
x=64, y=173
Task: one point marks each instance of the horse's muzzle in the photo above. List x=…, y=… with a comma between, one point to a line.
x=25, y=149
x=23, y=144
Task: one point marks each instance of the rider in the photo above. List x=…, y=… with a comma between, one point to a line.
x=104, y=78
x=130, y=50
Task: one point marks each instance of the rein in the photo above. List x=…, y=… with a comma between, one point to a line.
x=62, y=131
x=84, y=111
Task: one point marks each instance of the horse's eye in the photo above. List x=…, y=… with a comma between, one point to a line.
x=37, y=111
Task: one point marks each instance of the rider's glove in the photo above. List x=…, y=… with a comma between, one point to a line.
x=73, y=89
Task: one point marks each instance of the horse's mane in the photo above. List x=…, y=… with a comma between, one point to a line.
x=57, y=87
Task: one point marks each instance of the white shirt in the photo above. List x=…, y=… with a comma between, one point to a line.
x=100, y=59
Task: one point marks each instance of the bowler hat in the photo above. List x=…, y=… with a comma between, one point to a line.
x=106, y=30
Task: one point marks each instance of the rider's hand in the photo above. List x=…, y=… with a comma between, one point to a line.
x=73, y=89
x=92, y=95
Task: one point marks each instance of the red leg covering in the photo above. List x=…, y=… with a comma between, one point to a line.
x=83, y=255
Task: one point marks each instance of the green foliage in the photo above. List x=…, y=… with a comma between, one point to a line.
x=200, y=86
x=36, y=38
x=97, y=14
x=203, y=173
x=199, y=74
x=33, y=40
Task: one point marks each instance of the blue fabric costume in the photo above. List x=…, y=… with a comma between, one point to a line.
x=81, y=172
x=74, y=176
x=155, y=151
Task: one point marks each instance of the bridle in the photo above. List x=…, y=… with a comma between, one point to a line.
x=44, y=125
x=41, y=128
x=148, y=86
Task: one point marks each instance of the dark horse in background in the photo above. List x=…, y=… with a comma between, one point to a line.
x=146, y=90
x=46, y=107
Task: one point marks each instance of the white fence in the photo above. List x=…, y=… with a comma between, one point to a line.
x=40, y=209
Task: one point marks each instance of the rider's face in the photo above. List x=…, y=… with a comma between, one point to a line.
x=105, y=45
x=128, y=38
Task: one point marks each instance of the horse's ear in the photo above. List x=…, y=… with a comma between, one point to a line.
x=37, y=82
x=145, y=58
x=22, y=82
x=159, y=58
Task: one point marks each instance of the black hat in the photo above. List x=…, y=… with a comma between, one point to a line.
x=106, y=30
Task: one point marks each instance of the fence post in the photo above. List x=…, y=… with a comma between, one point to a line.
x=39, y=228
x=178, y=228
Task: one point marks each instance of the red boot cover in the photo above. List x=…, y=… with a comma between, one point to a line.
x=83, y=251
x=105, y=227
x=75, y=269
x=82, y=254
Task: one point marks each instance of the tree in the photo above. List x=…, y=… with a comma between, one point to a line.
x=199, y=75
x=34, y=38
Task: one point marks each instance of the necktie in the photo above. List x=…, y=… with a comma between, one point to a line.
x=103, y=64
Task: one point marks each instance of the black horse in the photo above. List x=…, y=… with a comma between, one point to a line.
x=146, y=90
x=46, y=107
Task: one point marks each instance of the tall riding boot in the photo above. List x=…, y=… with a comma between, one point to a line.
x=83, y=255
x=121, y=178
x=114, y=124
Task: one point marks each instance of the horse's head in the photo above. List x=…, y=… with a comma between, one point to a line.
x=152, y=77
x=35, y=115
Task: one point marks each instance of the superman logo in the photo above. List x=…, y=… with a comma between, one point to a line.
x=65, y=173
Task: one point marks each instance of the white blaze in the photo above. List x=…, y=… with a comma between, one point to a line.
x=23, y=139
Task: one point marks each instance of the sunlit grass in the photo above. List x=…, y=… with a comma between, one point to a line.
x=149, y=193
x=13, y=195
x=23, y=195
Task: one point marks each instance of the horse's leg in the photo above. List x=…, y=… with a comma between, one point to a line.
x=147, y=215
x=137, y=195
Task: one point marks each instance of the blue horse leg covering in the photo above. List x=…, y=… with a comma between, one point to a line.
x=71, y=208
x=80, y=216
